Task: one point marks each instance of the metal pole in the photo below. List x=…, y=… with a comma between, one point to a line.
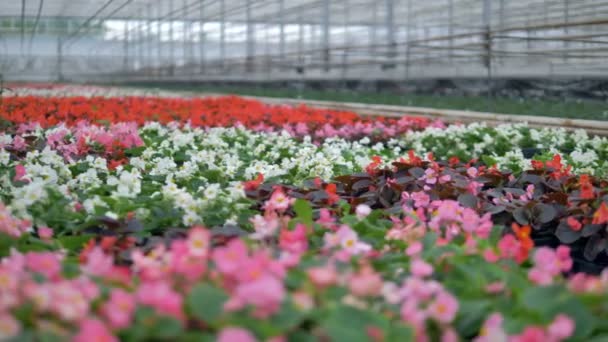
x=451, y=29
x=346, y=40
x=171, y=41
x=250, y=38
x=501, y=23
x=282, y=31
x=300, y=67
x=149, y=37
x=185, y=33
x=60, y=58
x=202, y=36
x=408, y=46
x=159, y=49
x=390, y=33
x=566, y=30
x=487, y=22
x=140, y=46
x=372, y=28
x=222, y=32
x=126, y=47
x=326, y=33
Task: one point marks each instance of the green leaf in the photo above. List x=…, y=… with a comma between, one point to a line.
x=287, y=318
x=347, y=323
x=206, y=302
x=553, y=300
x=167, y=328
x=471, y=316
x=489, y=161
x=74, y=242
x=303, y=211
x=399, y=332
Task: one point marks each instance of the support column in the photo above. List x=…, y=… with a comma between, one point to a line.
x=171, y=39
x=202, y=36
x=300, y=67
x=373, y=31
x=60, y=58
x=501, y=26
x=125, y=47
x=185, y=33
x=159, y=48
x=451, y=30
x=408, y=44
x=282, y=31
x=566, y=29
x=250, y=38
x=391, y=43
x=223, y=33
x=326, y=35
x=149, y=59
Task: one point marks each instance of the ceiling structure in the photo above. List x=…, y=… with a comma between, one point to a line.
x=322, y=33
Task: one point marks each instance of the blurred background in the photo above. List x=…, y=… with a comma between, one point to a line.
x=540, y=57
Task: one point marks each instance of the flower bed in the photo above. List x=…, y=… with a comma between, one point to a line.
x=137, y=230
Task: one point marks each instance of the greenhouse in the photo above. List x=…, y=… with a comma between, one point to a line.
x=304, y=170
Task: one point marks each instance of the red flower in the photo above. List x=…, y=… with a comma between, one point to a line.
x=372, y=167
x=586, y=187
x=574, y=224
x=331, y=194
x=254, y=184
x=601, y=215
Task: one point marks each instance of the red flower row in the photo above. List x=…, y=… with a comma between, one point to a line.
x=205, y=112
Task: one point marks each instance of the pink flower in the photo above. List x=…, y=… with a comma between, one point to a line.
x=490, y=256
x=45, y=263
x=10, y=225
x=184, y=263
x=449, y=335
x=229, y=259
x=98, y=263
x=420, y=268
x=561, y=328
x=322, y=276
x=349, y=241
x=230, y=334
x=119, y=308
x=303, y=300
x=414, y=249
x=294, y=241
x=492, y=330
x=91, y=328
x=265, y=226
x=362, y=211
x=199, y=241
x=45, y=233
x=366, y=283
x=326, y=219
x=162, y=297
x=278, y=201
x=421, y=199
x=9, y=326
x=530, y=334
x=549, y=263
x=19, y=143
x=472, y=172
x=265, y=294
x=430, y=176
x=444, y=308
x=20, y=173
